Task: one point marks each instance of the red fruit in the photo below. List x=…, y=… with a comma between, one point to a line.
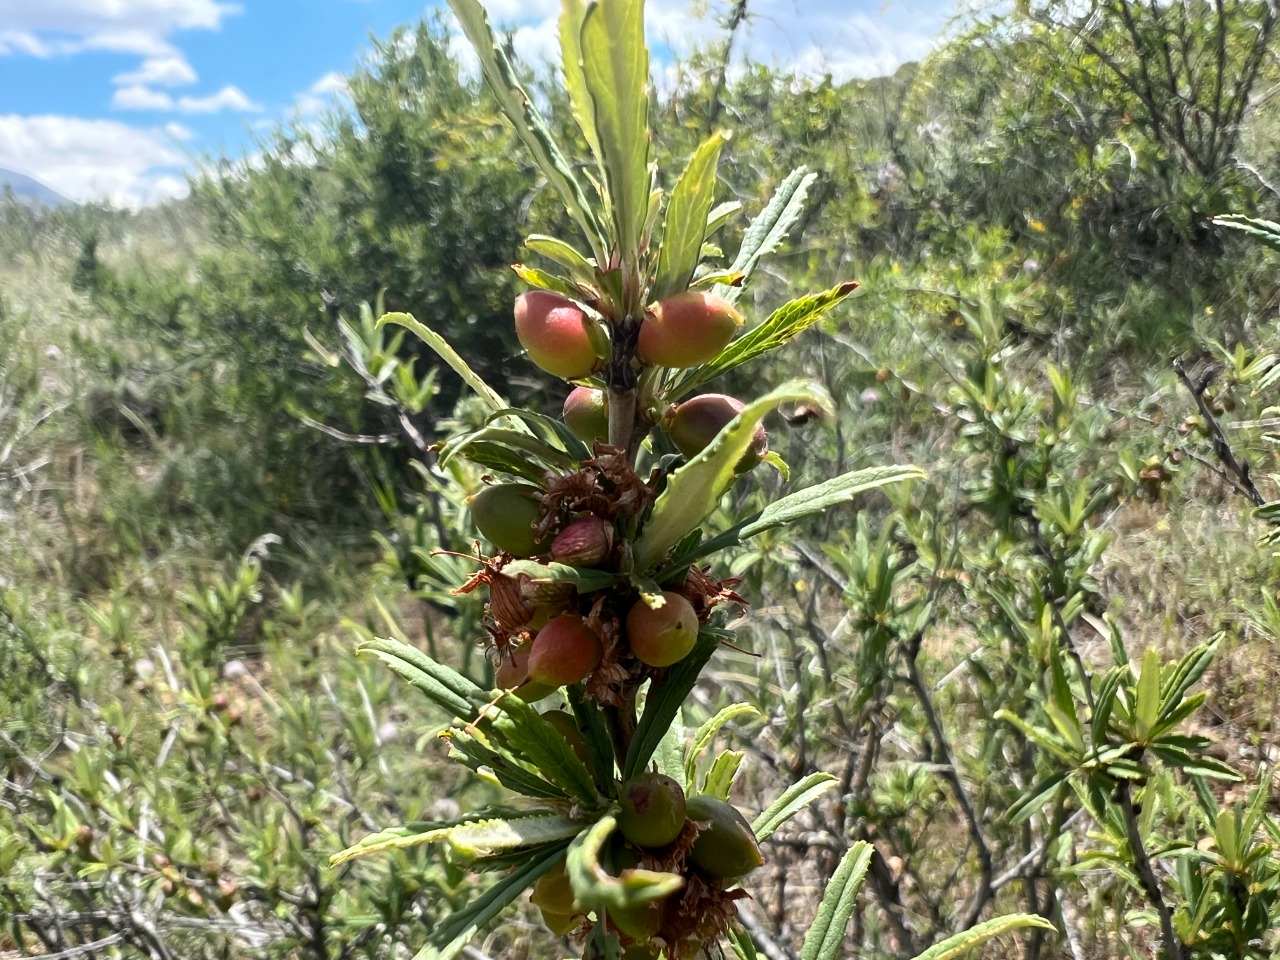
x=687, y=329
x=697, y=421
x=565, y=651
x=513, y=675
x=556, y=333
x=586, y=414
x=663, y=636
x=583, y=543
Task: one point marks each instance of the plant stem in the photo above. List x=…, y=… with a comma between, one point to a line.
x=1147, y=875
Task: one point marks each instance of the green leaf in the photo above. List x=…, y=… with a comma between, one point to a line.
x=572, y=15
x=768, y=230
x=584, y=579
x=826, y=936
x=980, y=934
x=821, y=497
x=591, y=723
x=719, y=779
x=393, y=838
x=744, y=947
x=1147, y=710
x=718, y=217
x=665, y=698
x=446, y=353
x=1039, y=736
x=693, y=491
x=615, y=64
x=794, y=799
x=450, y=938
x=667, y=757
x=493, y=837
x=1264, y=231
x=443, y=686
x=596, y=889
x=557, y=251
x=707, y=732
x=783, y=324
x=521, y=445
x=1036, y=797
x=507, y=770
x=686, y=224
x=547, y=281
x=532, y=738
x=528, y=123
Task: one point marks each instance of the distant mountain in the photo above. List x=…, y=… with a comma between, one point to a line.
x=29, y=190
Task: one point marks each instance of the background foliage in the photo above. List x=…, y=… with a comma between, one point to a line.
x=210, y=490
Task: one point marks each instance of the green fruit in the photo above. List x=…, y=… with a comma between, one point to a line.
x=697, y=421
x=553, y=893
x=639, y=921
x=505, y=514
x=565, y=651
x=663, y=636
x=726, y=846
x=653, y=810
x=568, y=727
x=561, y=923
x=586, y=414
x=687, y=330
x=557, y=335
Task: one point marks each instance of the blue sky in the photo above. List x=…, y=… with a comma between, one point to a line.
x=116, y=99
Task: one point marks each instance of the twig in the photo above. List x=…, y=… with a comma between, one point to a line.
x=1146, y=874
x=1238, y=469
x=770, y=947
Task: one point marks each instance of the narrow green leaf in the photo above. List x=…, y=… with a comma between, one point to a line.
x=520, y=443
x=744, y=947
x=572, y=15
x=667, y=757
x=693, y=491
x=794, y=799
x=531, y=737
x=665, y=698
x=768, y=230
x=980, y=934
x=719, y=779
x=821, y=497
x=547, y=281
x=528, y=123
x=446, y=353
x=1036, y=797
x=1038, y=736
x=1264, y=231
x=686, y=223
x=496, y=836
x=783, y=324
x=591, y=723
x=443, y=686
x=393, y=838
x=557, y=251
x=1147, y=710
x=826, y=936
x=707, y=733
x=721, y=215
x=615, y=64
x=451, y=937
x=584, y=579
x=507, y=770
x=596, y=889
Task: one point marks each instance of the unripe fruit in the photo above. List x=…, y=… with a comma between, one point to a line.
x=639, y=921
x=513, y=675
x=556, y=334
x=653, y=810
x=687, y=329
x=726, y=846
x=583, y=543
x=663, y=636
x=697, y=421
x=586, y=414
x=505, y=514
x=568, y=728
x=553, y=892
x=565, y=651
x=561, y=924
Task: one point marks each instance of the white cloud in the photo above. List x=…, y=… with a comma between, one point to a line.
x=93, y=159
x=138, y=97
x=179, y=132
x=92, y=16
x=166, y=71
x=320, y=93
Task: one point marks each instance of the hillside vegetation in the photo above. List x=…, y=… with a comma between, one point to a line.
x=217, y=476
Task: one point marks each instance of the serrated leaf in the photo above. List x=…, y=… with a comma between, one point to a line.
x=694, y=490
x=719, y=779
x=596, y=889
x=826, y=935
x=393, y=838
x=788, y=321
x=980, y=934
x=442, y=685
x=615, y=64
x=507, y=770
x=707, y=732
x=450, y=938
x=572, y=15
x=528, y=123
x=665, y=698
x=768, y=230
x=445, y=352
x=686, y=222
x=496, y=836
x=532, y=738
x=823, y=496
x=794, y=799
